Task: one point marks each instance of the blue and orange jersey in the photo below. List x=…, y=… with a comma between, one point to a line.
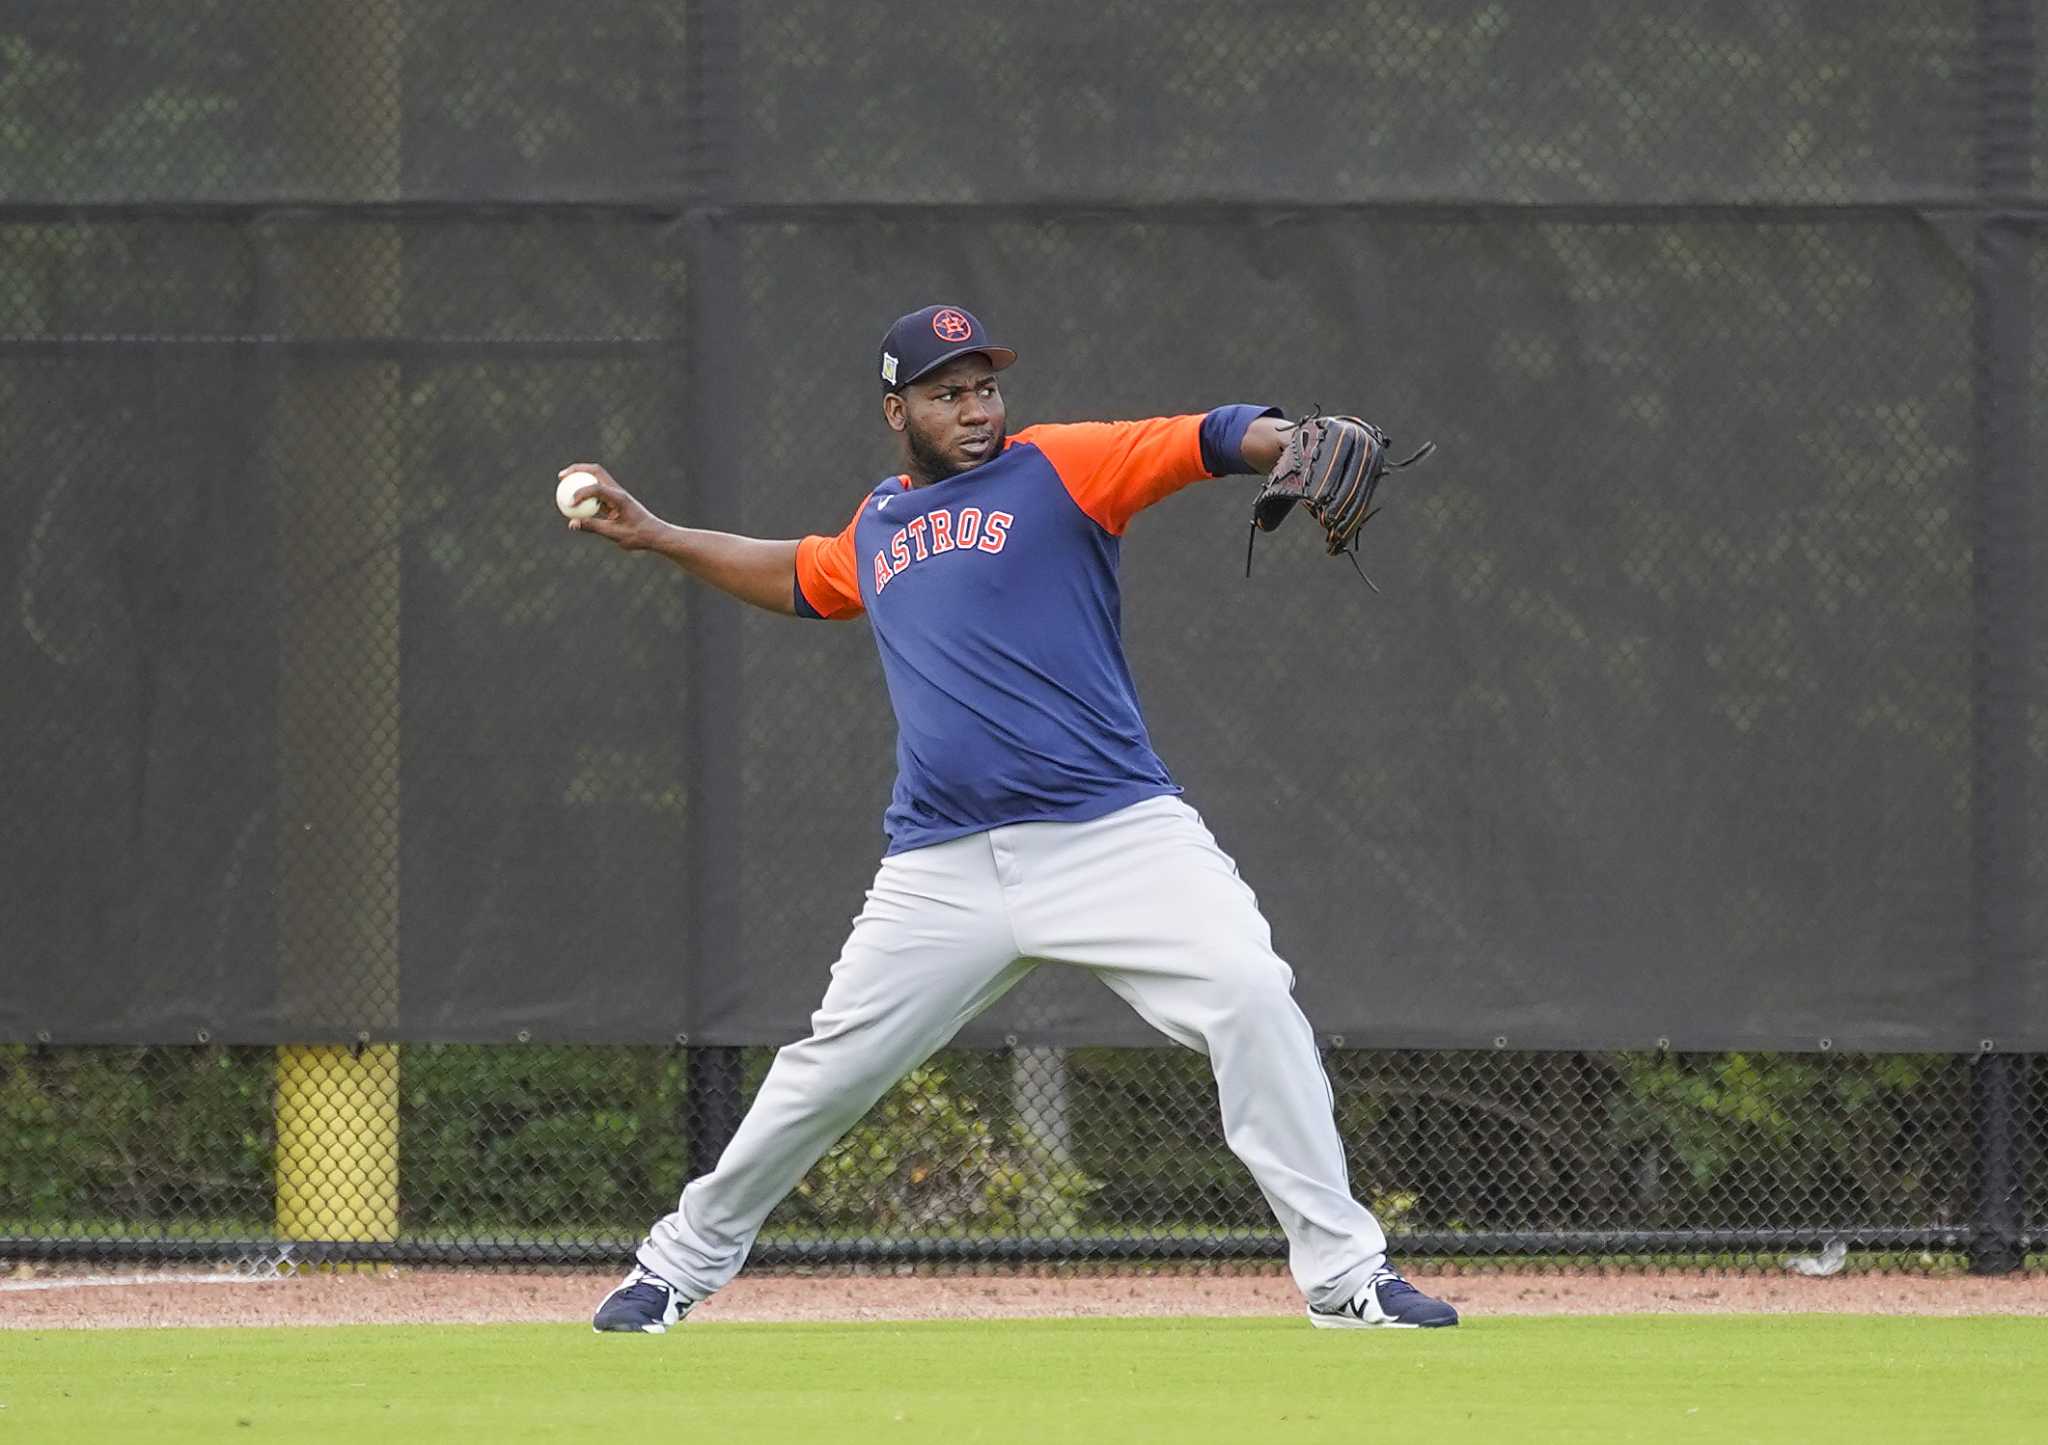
x=995, y=605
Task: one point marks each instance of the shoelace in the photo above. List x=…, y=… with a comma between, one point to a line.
x=647, y=1286
x=1394, y=1284
x=1356, y=1304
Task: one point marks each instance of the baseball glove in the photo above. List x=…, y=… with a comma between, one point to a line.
x=1332, y=466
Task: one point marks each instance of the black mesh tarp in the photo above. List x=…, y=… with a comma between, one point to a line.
x=1677, y=720
x=1661, y=722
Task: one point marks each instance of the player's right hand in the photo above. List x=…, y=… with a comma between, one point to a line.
x=621, y=517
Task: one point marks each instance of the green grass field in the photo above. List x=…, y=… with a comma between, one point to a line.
x=1662, y=1378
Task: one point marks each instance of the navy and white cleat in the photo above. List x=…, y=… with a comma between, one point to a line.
x=643, y=1303
x=1387, y=1302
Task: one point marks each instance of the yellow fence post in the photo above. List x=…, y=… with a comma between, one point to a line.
x=335, y=445
x=337, y=1142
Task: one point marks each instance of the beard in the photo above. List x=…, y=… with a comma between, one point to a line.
x=933, y=465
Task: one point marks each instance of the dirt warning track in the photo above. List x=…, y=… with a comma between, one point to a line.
x=407, y=1296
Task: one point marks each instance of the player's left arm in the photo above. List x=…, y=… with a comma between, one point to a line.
x=1264, y=440
x=1116, y=469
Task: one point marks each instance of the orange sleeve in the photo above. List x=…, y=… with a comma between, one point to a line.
x=1115, y=469
x=827, y=579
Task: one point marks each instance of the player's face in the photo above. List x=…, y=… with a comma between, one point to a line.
x=952, y=420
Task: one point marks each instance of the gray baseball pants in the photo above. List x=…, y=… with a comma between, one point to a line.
x=1145, y=900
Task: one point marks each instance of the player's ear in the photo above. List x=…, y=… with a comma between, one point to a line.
x=893, y=412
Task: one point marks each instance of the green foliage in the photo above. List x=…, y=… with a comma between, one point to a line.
x=539, y=1139
x=1146, y=1124
x=1578, y=1141
x=143, y=1134
x=927, y=1158
x=1812, y=1134
x=530, y=1138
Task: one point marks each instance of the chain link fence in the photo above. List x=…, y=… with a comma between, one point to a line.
x=1707, y=712
x=545, y=1154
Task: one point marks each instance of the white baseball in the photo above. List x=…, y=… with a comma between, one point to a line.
x=565, y=496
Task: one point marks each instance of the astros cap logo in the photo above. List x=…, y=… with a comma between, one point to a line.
x=929, y=337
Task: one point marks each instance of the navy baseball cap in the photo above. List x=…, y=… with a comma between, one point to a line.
x=932, y=337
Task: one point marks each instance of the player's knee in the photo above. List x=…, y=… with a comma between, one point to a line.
x=847, y=1056
x=1250, y=989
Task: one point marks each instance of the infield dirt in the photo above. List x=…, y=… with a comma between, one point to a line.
x=32, y=1300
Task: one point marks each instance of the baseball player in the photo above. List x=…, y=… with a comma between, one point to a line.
x=1030, y=820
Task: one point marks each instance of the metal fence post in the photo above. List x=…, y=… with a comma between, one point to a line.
x=2001, y=1183
x=2002, y=594
x=711, y=1109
